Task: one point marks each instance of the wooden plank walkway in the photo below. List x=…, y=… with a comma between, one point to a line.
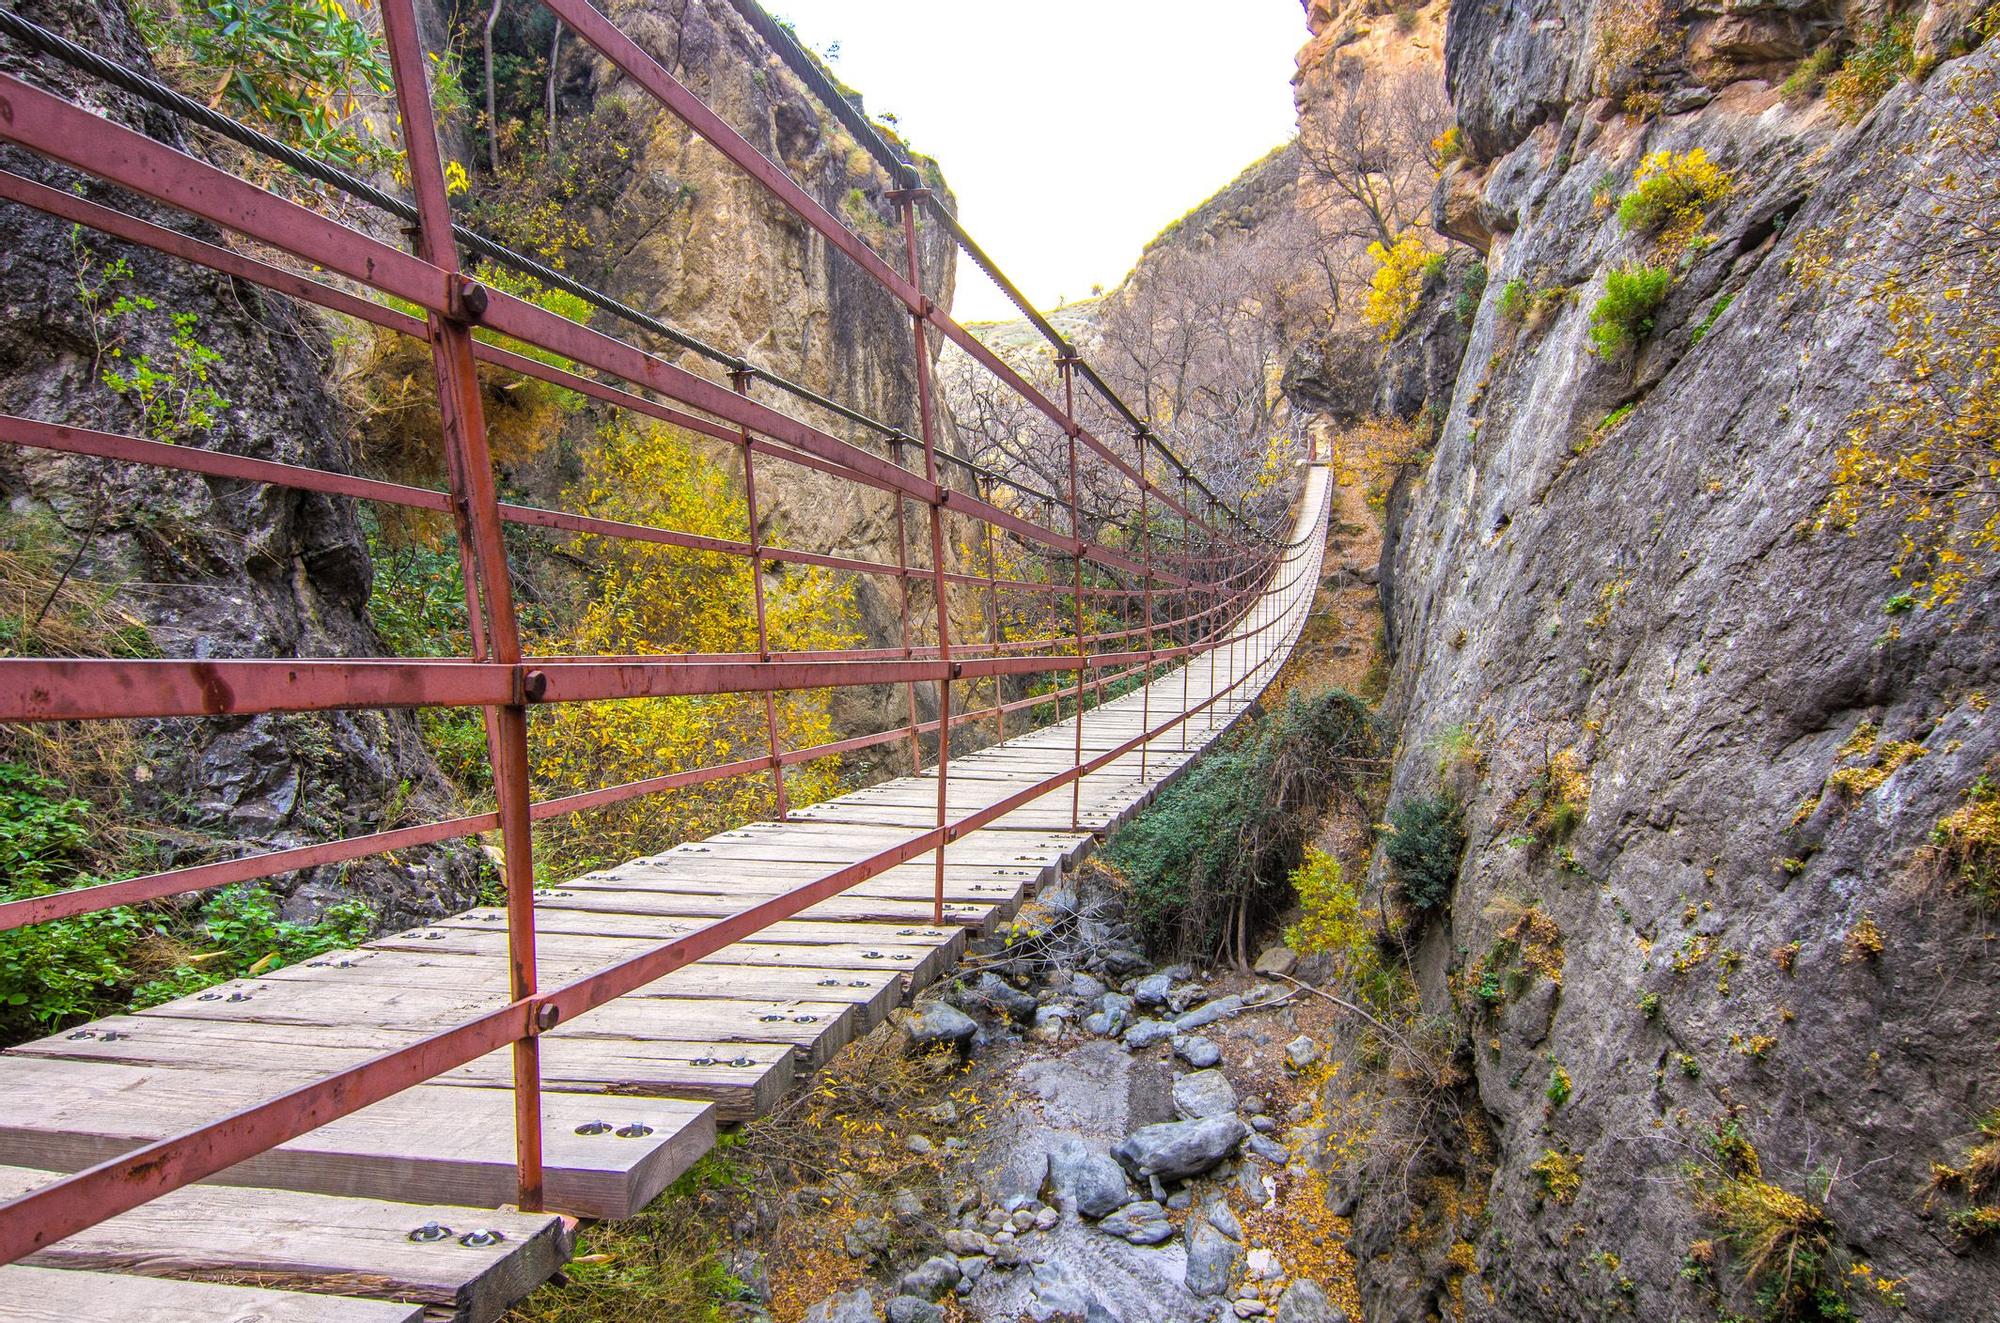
x=633, y=1090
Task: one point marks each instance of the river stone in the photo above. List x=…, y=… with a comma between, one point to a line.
x=914, y=1309
x=1203, y=1093
x=1002, y=997
x=932, y=1278
x=1267, y=1148
x=868, y=1237
x=1211, y=1260
x=1276, y=961
x=1301, y=1052
x=1223, y=1218
x=1087, y=987
x=934, y=1024
x=1304, y=1302
x=1142, y=1223
x=1197, y=1051
x=1209, y=1012
x=854, y=1307
x=1175, y=1150
x=1152, y=990
x=1086, y=1179
x=1148, y=1033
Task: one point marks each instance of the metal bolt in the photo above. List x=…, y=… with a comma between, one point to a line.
x=871, y=955
x=546, y=1016
x=429, y=1232
x=594, y=1128
x=742, y=1062
x=829, y=983
x=808, y=1019
x=433, y=937
x=906, y=932
x=113, y=1035
x=209, y=996
x=82, y=1033
x=481, y=1238
x=702, y=1061
x=237, y=996
x=901, y=955
x=637, y=1130
x=857, y=983
x=770, y=1019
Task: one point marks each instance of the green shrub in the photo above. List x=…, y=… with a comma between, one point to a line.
x=1213, y=857
x=1672, y=195
x=1427, y=837
x=1515, y=300
x=1715, y=311
x=1880, y=58
x=1624, y=315
x=1560, y=1086
x=1810, y=75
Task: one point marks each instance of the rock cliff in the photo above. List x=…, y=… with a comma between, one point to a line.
x=1706, y=942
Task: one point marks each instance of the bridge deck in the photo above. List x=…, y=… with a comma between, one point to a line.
x=718, y=1041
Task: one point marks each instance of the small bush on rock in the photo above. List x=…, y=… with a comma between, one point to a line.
x=1671, y=197
x=1625, y=314
x=1426, y=839
x=1881, y=56
x=1398, y=284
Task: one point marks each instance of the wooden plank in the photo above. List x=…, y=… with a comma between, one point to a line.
x=570, y=1063
x=53, y=1295
x=438, y=1143
x=816, y=1028
x=800, y=932
x=790, y=971
x=285, y=1240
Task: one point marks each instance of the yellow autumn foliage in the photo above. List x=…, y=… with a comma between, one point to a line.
x=647, y=599
x=1397, y=285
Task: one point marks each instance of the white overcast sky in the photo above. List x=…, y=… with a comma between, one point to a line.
x=1072, y=130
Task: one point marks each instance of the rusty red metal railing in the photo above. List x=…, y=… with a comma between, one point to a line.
x=1211, y=572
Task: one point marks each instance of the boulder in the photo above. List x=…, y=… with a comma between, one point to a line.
x=1148, y=1033
x=1086, y=1179
x=1197, y=1051
x=1209, y=1012
x=1142, y=1223
x=1304, y=1302
x=854, y=1307
x=1211, y=1260
x=867, y=1238
x=933, y=1024
x=914, y=1309
x=1301, y=1052
x=932, y=1278
x=1267, y=1148
x=1152, y=990
x=1203, y=1093
x=1002, y=998
x=1175, y=1150
x=1276, y=961
x=1223, y=1218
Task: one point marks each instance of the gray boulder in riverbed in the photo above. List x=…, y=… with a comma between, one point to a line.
x=1086, y=1179
x=1203, y=1093
x=1142, y=1223
x=1211, y=1260
x=1176, y=1150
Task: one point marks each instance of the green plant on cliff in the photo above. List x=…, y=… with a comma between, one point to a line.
x=1966, y=842
x=1672, y=195
x=1878, y=60
x=1784, y=1245
x=1624, y=314
x=1425, y=840
x=1212, y=857
x=302, y=70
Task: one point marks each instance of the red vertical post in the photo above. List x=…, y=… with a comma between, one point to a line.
x=995, y=632
x=927, y=422
x=739, y=378
x=1146, y=607
x=1219, y=607
x=903, y=605
x=471, y=466
x=1187, y=629
x=1067, y=363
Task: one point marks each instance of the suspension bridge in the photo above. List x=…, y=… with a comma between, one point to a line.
x=411, y=1129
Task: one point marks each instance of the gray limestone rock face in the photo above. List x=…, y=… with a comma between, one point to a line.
x=1086, y=1179
x=1204, y=1093
x=1061, y=1294
x=1141, y=1223
x=1175, y=1150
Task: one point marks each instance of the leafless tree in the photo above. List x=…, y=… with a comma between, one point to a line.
x=1371, y=150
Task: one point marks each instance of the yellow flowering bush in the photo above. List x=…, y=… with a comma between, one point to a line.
x=1397, y=285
